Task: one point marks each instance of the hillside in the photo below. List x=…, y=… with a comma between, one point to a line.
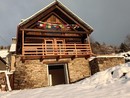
x=111, y=83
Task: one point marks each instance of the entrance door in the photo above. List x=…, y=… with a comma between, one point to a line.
x=57, y=74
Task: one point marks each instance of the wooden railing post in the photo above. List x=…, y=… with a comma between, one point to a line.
x=75, y=50
x=60, y=48
x=42, y=49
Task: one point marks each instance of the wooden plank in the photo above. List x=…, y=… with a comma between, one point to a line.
x=72, y=18
x=53, y=31
x=38, y=17
x=55, y=62
x=22, y=42
x=52, y=35
x=88, y=39
x=41, y=39
x=42, y=19
x=59, y=17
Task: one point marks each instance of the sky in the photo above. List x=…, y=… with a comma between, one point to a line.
x=109, y=18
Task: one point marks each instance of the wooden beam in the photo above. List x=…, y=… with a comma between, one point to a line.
x=59, y=17
x=53, y=31
x=71, y=18
x=39, y=16
x=22, y=42
x=42, y=38
x=88, y=39
x=41, y=19
x=55, y=62
x=53, y=35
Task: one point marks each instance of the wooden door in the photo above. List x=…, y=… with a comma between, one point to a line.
x=49, y=47
x=60, y=46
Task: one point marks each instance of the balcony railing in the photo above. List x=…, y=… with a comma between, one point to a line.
x=56, y=49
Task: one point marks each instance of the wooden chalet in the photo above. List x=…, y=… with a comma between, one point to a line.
x=54, y=46
x=53, y=32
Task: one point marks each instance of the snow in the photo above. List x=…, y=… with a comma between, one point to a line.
x=13, y=47
x=126, y=55
x=4, y=53
x=111, y=83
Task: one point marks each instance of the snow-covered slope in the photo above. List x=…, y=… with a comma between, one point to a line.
x=126, y=55
x=4, y=53
x=112, y=83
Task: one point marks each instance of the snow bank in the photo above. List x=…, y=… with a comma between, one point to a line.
x=112, y=83
x=4, y=53
x=125, y=54
x=108, y=76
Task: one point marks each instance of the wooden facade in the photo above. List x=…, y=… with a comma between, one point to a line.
x=53, y=32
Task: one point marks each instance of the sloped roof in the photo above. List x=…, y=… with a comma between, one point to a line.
x=24, y=21
x=3, y=60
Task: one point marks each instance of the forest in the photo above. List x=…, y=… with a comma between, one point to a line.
x=103, y=48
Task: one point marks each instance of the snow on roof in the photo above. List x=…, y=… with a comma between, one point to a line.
x=4, y=53
x=24, y=20
x=13, y=48
x=76, y=15
x=27, y=19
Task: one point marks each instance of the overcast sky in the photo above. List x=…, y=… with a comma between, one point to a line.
x=109, y=18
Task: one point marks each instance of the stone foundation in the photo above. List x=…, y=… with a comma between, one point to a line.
x=78, y=69
x=33, y=73
x=30, y=74
x=102, y=63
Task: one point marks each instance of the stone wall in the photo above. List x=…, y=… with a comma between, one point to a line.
x=102, y=63
x=2, y=79
x=78, y=69
x=30, y=74
x=12, y=62
x=33, y=73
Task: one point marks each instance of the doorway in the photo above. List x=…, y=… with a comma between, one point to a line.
x=58, y=74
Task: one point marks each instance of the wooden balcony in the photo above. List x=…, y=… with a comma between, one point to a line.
x=55, y=51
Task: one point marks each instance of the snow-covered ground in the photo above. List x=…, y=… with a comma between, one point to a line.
x=126, y=55
x=4, y=53
x=112, y=83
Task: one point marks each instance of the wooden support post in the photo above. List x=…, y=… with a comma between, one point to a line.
x=8, y=82
x=43, y=49
x=88, y=39
x=60, y=49
x=75, y=50
x=22, y=42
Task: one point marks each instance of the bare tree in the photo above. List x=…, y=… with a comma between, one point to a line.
x=127, y=40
